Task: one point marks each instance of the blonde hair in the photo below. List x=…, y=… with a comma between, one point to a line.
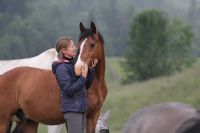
x=62, y=42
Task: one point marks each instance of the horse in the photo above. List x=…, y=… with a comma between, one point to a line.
x=36, y=92
x=43, y=61
x=46, y=57
x=172, y=117
x=92, y=46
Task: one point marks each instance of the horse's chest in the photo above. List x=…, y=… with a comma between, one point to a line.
x=94, y=100
x=96, y=94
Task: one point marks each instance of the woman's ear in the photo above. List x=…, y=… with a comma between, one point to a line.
x=63, y=50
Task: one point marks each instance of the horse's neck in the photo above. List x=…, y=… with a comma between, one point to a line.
x=100, y=69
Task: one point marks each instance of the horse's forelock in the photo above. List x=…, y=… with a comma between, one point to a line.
x=87, y=33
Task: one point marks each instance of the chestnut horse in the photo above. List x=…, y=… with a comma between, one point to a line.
x=47, y=58
x=36, y=92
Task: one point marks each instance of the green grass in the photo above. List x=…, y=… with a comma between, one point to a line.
x=124, y=100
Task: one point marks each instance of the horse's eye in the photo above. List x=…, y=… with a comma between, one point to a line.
x=92, y=45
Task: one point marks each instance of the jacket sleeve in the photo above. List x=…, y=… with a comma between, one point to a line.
x=90, y=77
x=67, y=84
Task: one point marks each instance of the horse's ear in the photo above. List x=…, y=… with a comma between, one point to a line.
x=82, y=28
x=93, y=27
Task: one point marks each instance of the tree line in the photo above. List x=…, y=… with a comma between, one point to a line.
x=29, y=27
x=152, y=41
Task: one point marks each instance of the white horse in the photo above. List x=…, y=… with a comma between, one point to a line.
x=44, y=61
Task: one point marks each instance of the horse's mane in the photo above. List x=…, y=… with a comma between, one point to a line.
x=88, y=32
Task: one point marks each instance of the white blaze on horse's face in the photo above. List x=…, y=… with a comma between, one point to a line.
x=79, y=64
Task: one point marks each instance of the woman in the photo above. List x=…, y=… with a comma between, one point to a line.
x=73, y=88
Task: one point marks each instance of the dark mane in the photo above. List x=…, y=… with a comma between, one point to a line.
x=88, y=32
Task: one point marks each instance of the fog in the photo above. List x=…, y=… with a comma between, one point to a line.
x=33, y=26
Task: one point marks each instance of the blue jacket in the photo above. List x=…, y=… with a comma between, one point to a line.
x=73, y=88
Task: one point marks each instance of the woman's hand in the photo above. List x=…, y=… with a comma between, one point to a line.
x=84, y=71
x=94, y=63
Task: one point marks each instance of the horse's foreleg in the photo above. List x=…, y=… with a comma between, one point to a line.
x=18, y=128
x=9, y=128
x=92, y=121
x=5, y=123
x=26, y=127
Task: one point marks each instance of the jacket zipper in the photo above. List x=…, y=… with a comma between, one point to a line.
x=76, y=101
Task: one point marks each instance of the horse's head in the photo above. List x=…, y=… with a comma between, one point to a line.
x=90, y=47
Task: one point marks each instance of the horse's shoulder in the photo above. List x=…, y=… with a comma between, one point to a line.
x=36, y=70
x=32, y=73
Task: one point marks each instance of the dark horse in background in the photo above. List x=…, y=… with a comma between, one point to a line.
x=36, y=93
x=170, y=117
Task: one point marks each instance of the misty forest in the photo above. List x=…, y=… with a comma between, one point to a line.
x=30, y=27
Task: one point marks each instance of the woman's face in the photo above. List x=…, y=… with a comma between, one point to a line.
x=70, y=51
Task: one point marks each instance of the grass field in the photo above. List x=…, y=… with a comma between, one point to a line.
x=124, y=100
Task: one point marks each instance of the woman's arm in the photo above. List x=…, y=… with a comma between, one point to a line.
x=67, y=84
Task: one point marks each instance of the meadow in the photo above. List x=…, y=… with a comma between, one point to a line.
x=124, y=100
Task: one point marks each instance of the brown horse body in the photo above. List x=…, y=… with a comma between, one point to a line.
x=36, y=92
x=31, y=89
